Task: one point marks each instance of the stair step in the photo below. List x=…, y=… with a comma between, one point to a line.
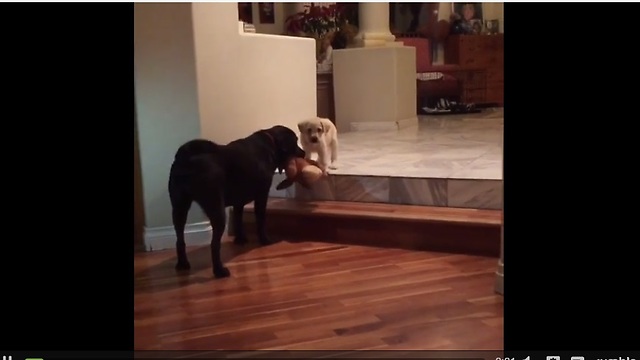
x=454, y=230
x=374, y=211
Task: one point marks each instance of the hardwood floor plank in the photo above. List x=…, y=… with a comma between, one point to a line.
x=315, y=296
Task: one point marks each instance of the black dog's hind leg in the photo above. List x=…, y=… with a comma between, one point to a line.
x=216, y=213
x=260, y=208
x=180, y=209
x=238, y=226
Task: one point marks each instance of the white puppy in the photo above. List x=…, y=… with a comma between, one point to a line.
x=320, y=136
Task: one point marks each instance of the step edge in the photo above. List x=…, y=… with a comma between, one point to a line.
x=380, y=216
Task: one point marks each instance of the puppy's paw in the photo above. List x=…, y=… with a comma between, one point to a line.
x=240, y=239
x=324, y=168
x=221, y=272
x=333, y=166
x=183, y=265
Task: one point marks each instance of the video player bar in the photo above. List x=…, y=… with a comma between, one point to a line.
x=334, y=355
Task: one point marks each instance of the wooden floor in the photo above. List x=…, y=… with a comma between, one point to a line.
x=318, y=296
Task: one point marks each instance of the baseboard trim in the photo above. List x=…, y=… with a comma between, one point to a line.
x=405, y=123
x=164, y=237
x=383, y=125
x=499, y=286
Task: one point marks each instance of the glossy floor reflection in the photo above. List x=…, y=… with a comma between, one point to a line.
x=444, y=147
x=452, y=160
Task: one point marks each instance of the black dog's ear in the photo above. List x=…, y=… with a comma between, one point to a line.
x=286, y=145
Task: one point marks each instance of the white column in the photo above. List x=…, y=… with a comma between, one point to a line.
x=391, y=87
x=373, y=18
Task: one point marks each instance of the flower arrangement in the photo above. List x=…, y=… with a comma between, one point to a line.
x=318, y=22
x=314, y=21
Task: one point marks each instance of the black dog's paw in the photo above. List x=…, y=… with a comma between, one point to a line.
x=240, y=240
x=183, y=266
x=221, y=272
x=265, y=241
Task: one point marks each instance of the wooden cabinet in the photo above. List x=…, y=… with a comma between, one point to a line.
x=474, y=85
x=481, y=58
x=324, y=96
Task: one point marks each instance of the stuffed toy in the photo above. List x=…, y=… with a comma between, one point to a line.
x=302, y=171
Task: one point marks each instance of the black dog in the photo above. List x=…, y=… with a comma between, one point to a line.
x=217, y=176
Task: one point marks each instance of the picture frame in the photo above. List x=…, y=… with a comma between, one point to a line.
x=477, y=27
x=245, y=12
x=267, y=13
x=468, y=11
x=492, y=27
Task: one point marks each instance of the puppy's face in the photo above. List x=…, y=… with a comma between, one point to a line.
x=312, y=130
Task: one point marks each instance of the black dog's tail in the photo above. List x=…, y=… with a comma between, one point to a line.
x=183, y=168
x=195, y=147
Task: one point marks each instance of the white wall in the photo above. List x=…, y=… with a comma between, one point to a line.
x=375, y=88
x=248, y=81
x=197, y=76
x=166, y=99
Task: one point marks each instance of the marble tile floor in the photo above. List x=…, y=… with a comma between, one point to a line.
x=452, y=160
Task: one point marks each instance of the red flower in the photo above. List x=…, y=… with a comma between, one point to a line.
x=314, y=20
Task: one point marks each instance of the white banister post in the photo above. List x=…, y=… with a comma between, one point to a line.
x=373, y=19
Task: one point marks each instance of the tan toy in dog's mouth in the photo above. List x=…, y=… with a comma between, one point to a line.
x=304, y=172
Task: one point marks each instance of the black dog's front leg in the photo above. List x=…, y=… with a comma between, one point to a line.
x=260, y=206
x=238, y=225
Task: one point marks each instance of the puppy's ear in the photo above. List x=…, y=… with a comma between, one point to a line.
x=302, y=125
x=322, y=126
